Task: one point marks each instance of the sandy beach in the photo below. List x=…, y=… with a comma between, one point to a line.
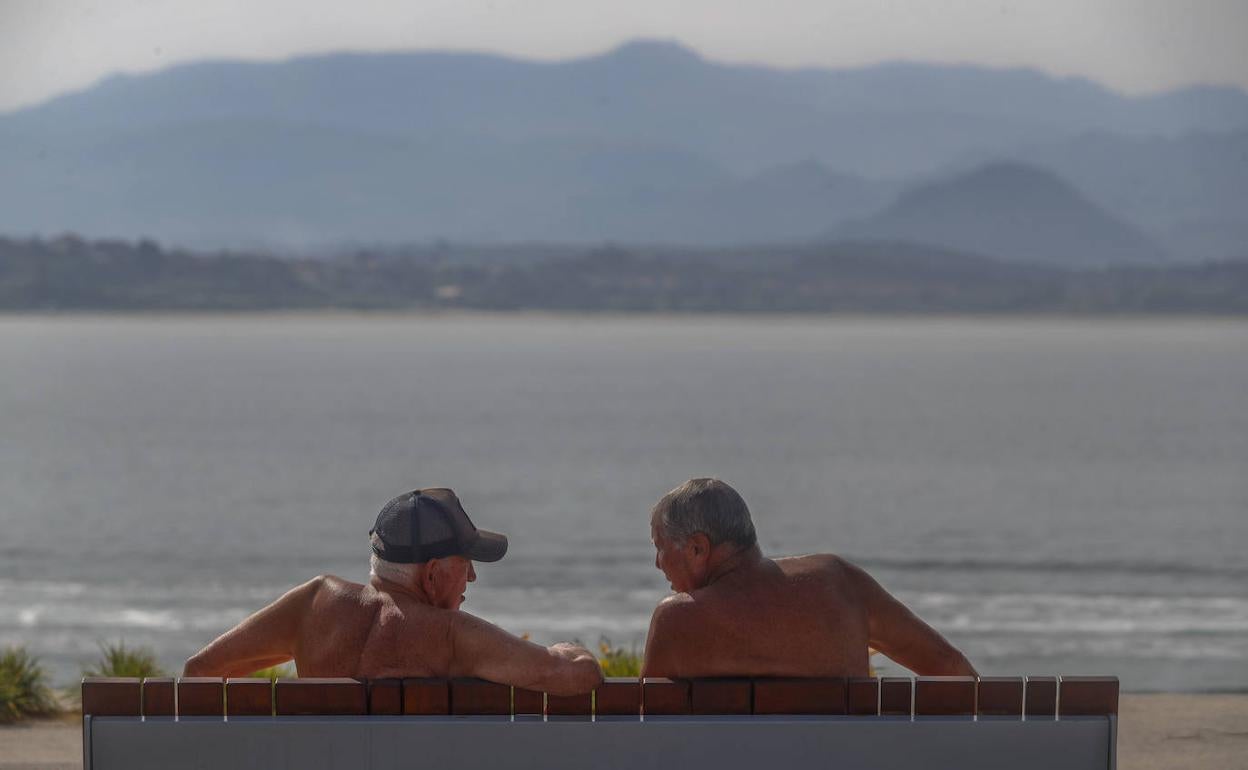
x=1156, y=732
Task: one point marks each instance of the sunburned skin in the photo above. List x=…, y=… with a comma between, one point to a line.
x=737, y=613
x=331, y=627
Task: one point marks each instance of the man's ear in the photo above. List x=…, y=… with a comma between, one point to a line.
x=429, y=574
x=700, y=544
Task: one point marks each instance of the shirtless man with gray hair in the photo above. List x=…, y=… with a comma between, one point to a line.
x=406, y=621
x=737, y=613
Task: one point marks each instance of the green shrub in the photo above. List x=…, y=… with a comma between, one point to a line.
x=617, y=661
x=24, y=687
x=273, y=673
x=119, y=660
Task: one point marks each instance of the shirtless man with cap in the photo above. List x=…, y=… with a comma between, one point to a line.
x=737, y=613
x=406, y=621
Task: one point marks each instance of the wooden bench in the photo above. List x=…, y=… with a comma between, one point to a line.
x=386, y=724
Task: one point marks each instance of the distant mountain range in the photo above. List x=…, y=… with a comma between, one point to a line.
x=648, y=143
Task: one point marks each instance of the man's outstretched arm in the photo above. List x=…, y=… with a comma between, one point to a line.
x=481, y=649
x=901, y=635
x=266, y=638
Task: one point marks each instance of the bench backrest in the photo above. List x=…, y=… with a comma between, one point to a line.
x=889, y=722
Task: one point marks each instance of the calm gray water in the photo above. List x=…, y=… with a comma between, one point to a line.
x=1056, y=496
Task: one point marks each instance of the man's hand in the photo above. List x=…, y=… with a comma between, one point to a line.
x=571, y=652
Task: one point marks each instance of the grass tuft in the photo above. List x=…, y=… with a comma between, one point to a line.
x=119, y=660
x=617, y=661
x=24, y=690
x=273, y=673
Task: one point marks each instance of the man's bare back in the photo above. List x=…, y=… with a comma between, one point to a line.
x=406, y=621
x=737, y=613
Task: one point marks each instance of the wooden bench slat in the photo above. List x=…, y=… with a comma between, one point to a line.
x=721, y=696
x=791, y=695
x=570, y=705
x=201, y=696
x=385, y=696
x=480, y=698
x=618, y=697
x=1088, y=696
x=158, y=697
x=248, y=697
x=862, y=696
x=1000, y=696
x=426, y=695
x=1040, y=699
x=525, y=702
x=950, y=696
x=320, y=696
x=664, y=697
x=112, y=697
x=895, y=696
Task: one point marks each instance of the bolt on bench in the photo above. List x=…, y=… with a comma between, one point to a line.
x=892, y=723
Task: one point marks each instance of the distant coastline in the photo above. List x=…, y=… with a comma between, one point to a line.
x=71, y=274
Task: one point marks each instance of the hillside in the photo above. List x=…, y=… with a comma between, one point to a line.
x=1011, y=211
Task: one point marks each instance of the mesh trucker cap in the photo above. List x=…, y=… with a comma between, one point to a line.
x=431, y=524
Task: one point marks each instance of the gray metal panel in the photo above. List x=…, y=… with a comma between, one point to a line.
x=727, y=743
x=1113, y=742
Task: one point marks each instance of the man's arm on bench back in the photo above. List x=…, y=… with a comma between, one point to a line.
x=266, y=638
x=901, y=635
x=483, y=650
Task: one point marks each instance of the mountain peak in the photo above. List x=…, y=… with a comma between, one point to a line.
x=1012, y=211
x=655, y=51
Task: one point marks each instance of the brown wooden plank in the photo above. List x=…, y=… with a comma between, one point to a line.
x=895, y=696
x=112, y=697
x=792, y=695
x=248, y=697
x=944, y=696
x=479, y=697
x=664, y=697
x=526, y=702
x=1088, y=696
x=720, y=696
x=320, y=696
x=158, y=698
x=618, y=697
x=201, y=696
x=862, y=696
x=385, y=696
x=1040, y=698
x=426, y=696
x=570, y=705
x=1000, y=696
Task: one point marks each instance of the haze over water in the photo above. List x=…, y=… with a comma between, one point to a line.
x=1056, y=496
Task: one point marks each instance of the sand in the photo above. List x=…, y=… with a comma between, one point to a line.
x=1155, y=732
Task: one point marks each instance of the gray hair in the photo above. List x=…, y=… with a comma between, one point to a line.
x=709, y=506
x=403, y=574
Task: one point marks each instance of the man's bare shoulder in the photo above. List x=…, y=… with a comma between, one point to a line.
x=327, y=590
x=828, y=564
x=680, y=607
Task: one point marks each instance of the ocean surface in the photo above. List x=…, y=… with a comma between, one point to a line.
x=1055, y=496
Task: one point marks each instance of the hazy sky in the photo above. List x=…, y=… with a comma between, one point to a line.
x=50, y=46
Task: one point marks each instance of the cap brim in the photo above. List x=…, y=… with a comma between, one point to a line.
x=490, y=546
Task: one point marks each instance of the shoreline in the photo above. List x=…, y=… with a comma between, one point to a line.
x=1158, y=731
x=349, y=313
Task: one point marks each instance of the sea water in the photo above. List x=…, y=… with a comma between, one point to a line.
x=1056, y=496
